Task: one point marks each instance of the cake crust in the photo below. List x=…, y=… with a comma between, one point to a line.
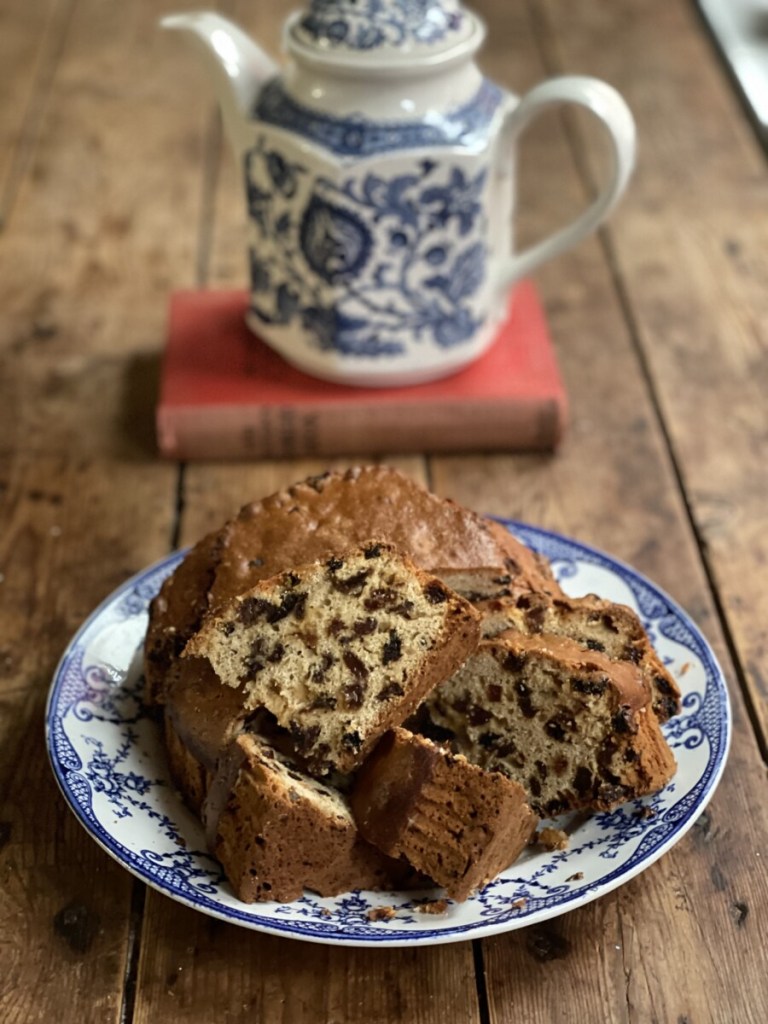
x=277, y=832
x=310, y=521
x=455, y=822
x=333, y=511
x=594, y=623
x=175, y=614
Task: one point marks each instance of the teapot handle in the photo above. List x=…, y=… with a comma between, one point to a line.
x=609, y=107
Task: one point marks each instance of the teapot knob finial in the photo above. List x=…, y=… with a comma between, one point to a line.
x=374, y=29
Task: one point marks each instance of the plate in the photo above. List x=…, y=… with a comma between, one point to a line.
x=109, y=761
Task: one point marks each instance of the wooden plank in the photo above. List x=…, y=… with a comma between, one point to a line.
x=31, y=37
x=691, y=255
x=65, y=904
x=99, y=239
x=241, y=975
x=678, y=941
x=192, y=968
x=85, y=265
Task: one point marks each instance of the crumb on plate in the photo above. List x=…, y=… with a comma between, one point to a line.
x=433, y=907
x=381, y=914
x=552, y=839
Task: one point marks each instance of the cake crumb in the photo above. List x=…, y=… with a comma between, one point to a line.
x=684, y=668
x=433, y=907
x=519, y=904
x=381, y=914
x=645, y=812
x=552, y=839
x=577, y=877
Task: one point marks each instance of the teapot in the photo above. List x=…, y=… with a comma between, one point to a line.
x=379, y=174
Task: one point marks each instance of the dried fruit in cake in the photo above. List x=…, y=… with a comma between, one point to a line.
x=597, y=625
x=450, y=819
x=340, y=650
x=277, y=831
x=574, y=728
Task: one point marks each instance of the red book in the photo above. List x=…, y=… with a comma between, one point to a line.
x=226, y=395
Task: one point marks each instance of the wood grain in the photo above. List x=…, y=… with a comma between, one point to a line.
x=691, y=253
x=31, y=37
x=216, y=968
x=85, y=264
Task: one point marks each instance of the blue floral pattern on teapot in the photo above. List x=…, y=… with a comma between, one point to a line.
x=369, y=261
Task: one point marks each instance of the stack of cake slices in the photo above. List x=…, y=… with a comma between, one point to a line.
x=365, y=686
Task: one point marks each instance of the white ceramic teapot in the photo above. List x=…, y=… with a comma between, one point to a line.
x=379, y=174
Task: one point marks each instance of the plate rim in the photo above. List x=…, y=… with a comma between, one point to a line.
x=303, y=929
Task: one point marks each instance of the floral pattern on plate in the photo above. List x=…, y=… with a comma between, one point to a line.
x=108, y=759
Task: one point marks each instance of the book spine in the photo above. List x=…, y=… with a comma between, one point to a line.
x=255, y=432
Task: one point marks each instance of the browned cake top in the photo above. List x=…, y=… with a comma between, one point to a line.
x=176, y=613
x=328, y=513
x=310, y=521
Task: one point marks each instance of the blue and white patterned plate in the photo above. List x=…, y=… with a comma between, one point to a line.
x=109, y=762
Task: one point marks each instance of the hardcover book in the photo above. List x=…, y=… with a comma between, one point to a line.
x=226, y=395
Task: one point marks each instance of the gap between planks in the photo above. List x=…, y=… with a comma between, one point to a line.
x=131, y=975
x=728, y=72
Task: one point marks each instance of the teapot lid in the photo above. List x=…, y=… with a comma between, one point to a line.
x=383, y=32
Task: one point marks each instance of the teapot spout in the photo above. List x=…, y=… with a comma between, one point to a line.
x=238, y=66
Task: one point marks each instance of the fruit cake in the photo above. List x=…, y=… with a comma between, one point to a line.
x=340, y=650
x=596, y=624
x=175, y=613
x=277, y=831
x=310, y=521
x=574, y=728
x=450, y=819
x=201, y=718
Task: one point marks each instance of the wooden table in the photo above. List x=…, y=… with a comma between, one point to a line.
x=113, y=191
